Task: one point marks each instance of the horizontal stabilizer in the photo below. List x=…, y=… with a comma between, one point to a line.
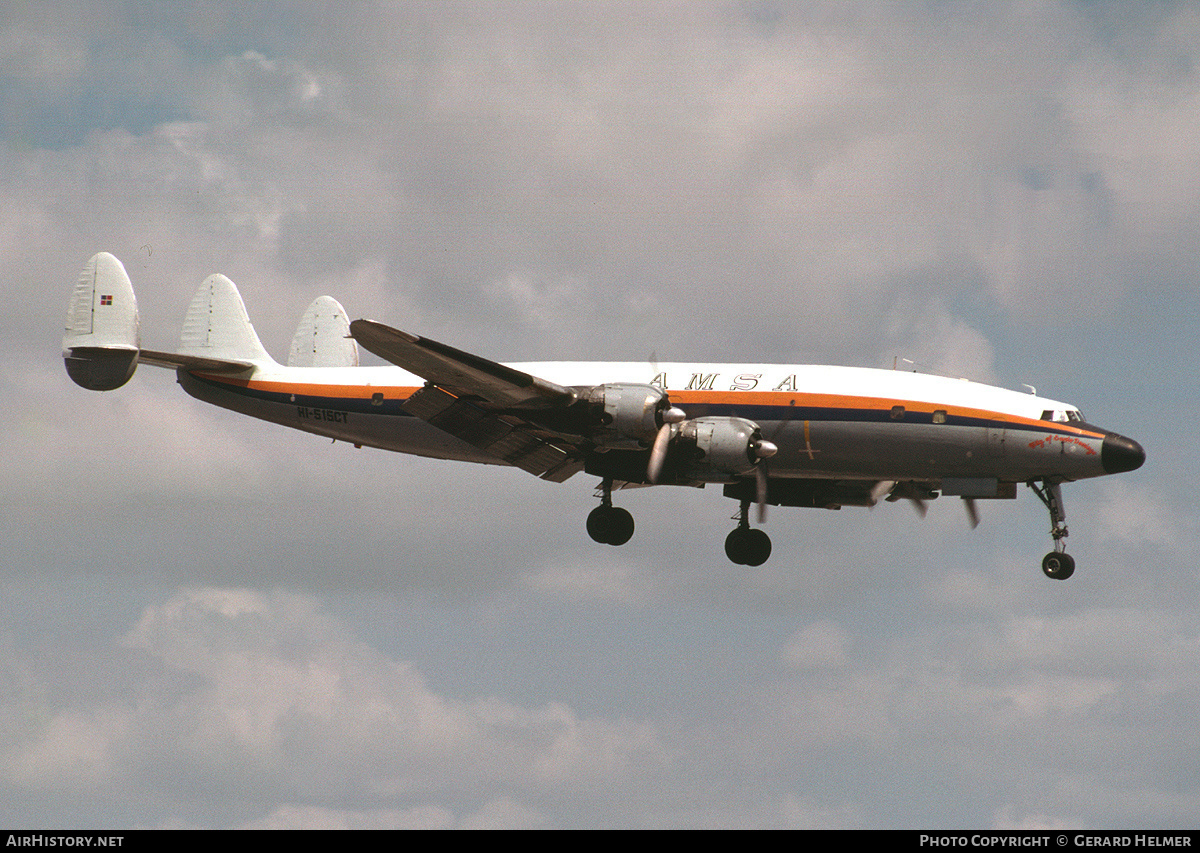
x=323, y=337
x=176, y=361
x=459, y=372
x=100, y=347
x=218, y=327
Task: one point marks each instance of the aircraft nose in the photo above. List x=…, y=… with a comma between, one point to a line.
x=1119, y=453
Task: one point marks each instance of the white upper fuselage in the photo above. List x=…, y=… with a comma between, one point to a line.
x=807, y=379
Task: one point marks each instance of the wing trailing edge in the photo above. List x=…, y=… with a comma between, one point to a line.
x=486, y=404
x=460, y=373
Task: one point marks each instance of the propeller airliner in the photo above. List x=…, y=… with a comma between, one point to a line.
x=768, y=434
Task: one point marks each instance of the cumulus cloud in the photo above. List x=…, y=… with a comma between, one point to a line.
x=269, y=689
x=820, y=645
x=589, y=580
x=1138, y=515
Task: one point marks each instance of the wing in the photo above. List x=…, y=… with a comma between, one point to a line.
x=458, y=372
x=488, y=405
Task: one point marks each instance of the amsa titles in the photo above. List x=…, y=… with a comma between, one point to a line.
x=740, y=382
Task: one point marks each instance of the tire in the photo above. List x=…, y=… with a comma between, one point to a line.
x=620, y=526
x=1058, y=566
x=758, y=548
x=735, y=546
x=598, y=524
x=748, y=546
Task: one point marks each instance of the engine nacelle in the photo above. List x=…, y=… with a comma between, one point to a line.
x=626, y=416
x=716, y=450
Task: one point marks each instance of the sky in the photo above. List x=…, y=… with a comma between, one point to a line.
x=210, y=621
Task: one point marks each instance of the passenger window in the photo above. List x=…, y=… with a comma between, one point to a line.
x=939, y=416
x=897, y=413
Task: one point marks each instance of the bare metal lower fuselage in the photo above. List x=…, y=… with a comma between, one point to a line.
x=862, y=441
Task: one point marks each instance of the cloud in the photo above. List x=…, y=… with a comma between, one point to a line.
x=269, y=689
x=501, y=813
x=819, y=646
x=584, y=580
x=317, y=817
x=1140, y=516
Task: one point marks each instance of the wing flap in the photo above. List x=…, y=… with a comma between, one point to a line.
x=504, y=436
x=461, y=373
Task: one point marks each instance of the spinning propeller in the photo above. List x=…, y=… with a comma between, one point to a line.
x=731, y=446
x=671, y=419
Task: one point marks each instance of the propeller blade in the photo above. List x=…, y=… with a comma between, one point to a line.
x=972, y=511
x=883, y=487
x=920, y=506
x=658, y=452
x=761, y=481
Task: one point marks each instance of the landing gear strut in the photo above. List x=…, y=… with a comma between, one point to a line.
x=745, y=545
x=608, y=524
x=1058, y=564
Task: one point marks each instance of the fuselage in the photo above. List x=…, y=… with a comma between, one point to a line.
x=797, y=436
x=828, y=422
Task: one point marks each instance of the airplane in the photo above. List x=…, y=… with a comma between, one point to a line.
x=769, y=434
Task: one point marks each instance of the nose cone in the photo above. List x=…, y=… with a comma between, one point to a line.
x=1119, y=453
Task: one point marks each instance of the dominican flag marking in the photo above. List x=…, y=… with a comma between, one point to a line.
x=106, y=299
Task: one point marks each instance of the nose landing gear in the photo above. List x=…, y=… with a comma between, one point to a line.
x=1058, y=564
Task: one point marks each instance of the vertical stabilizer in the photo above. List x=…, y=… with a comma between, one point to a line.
x=217, y=325
x=323, y=337
x=100, y=347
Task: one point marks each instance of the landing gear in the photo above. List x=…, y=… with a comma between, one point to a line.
x=1058, y=564
x=745, y=545
x=608, y=524
x=748, y=546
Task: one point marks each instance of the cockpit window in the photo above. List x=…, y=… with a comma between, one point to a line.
x=1063, y=416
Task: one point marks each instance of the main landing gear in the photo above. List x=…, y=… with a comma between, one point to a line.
x=608, y=524
x=745, y=545
x=612, y=525
x=1058, y=564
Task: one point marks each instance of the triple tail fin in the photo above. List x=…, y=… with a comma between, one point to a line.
x=323, y=337
x=101, y=344
x=218, y=327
